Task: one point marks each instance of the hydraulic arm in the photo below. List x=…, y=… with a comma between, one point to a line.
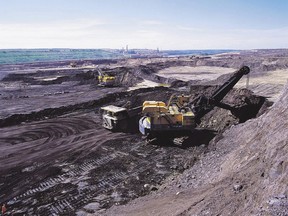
x=202, y=105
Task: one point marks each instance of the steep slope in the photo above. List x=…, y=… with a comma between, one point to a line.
x=244, y=173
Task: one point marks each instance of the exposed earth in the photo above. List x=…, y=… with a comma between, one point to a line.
x=57, y=159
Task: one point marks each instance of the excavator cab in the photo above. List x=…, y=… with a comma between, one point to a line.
x=106, y=80
x=160, y=118
x=113, y=117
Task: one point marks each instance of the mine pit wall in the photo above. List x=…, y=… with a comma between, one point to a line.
x=118, y=99
x=126, y=78
x=53, y=64
x=256, y=159
x=218, y=119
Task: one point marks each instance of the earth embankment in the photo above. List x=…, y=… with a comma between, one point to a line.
x=245, y=172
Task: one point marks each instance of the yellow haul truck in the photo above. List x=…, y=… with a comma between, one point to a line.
x=120, y=118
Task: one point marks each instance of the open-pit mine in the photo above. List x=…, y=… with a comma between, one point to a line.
x=58, y=159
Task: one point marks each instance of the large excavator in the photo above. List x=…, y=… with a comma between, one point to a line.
x=105, y=79
x=180, y=115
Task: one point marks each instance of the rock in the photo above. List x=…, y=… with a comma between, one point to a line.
x=274, y=201
x=153, y=188
x=150, y=187
x=277, y=200
x=237, y=187
x=186, y=166
x=146, y=186
x=92, y=206
x=175, y=167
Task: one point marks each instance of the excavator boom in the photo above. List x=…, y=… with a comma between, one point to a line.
x=223, y=90
x=202, y=105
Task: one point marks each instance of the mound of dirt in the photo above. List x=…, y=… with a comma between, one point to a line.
x=244, y=173
x=247, y=106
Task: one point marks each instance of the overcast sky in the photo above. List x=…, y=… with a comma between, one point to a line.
x=167, y=24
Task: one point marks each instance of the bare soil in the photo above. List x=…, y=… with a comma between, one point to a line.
x=56, y=159
x=243, y=172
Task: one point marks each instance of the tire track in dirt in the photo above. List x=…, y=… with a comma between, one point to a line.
x=84, y=183
x=49, y=129
x=71, y=174
x=74, y=136
x=51, y=182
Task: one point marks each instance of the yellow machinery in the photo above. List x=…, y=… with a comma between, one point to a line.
x=106, y=79
x=178, y=117
x=173, y=117
x=73, y=64
x=181, y=115
x=119, y=118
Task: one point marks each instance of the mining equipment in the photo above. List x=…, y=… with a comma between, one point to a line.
x=119, y=118
x=105, y=79
x=180, y=115
x=73, y=64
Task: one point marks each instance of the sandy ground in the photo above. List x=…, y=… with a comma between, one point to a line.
x=268, y=85
x=187, y=73
x=144, y=84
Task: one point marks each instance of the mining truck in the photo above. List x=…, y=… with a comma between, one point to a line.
x=116, y=118
x=180, y=115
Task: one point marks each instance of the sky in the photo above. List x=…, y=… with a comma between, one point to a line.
x=152, y=24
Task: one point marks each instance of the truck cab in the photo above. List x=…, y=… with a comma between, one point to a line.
x=114, y=118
